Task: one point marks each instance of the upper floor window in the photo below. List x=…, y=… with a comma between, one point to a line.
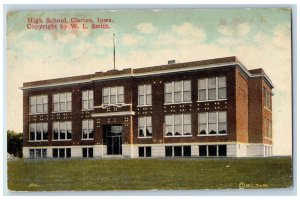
x=62, y=102
x=38, y=131
x=213, y=88
x=267, y=127
x=178, y=125
x=178, y=92
x=62, y=130
x=212, y=123
x=145, y=96
x=87, y=129
x=87, y=99
x=267, y=98
x=145, y=126
x=113, y=95
x=38, y=104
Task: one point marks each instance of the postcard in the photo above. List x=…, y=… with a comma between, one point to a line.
x=164, y=99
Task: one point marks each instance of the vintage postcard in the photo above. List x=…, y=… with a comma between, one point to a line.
x=170, y=99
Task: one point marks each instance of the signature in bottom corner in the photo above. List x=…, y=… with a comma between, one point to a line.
x=243, y=185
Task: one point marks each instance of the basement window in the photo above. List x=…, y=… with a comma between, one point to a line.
x=144, y=151
x=87, y=152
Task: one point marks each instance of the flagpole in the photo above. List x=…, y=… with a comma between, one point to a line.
x=114, y=52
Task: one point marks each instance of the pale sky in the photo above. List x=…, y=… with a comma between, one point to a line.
x=260, y=38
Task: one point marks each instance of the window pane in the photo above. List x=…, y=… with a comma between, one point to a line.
x=212, y=123
x=149, y=121
x=178, y=119
x=62, y=97
x=222, y=81
x=202, y=151
x=178, y=130
x=202, y=118
x=141, y=90
x=212, y=150
x=44, y=153
x=85, y=95
x=32, y=100
x=45, y=131
x=177, y=151
x=91, y=152
x=45, y=108
x=177, y=86
x=85, y=104
x=55, y=130
x=168, y=98
x=168, y=88
x=113, y=99
x=39, y=108
x=222, y=93
x=202, y=129
x=222, y=117
x=169, y=119
x=45, y=99
x=120, y=90
x=222, y=128
x=186, y=96
x=148, y=131
x=187, y=119
x=169, y=130
x=61, y=153
x=148, y=89
x=69, y=96
x=141, y=131
x=202, y=84
x=38, y=153
x=31, y=153
x=62, y=130
x=148, y=151
x=69, y=106
x=91, y=124
x=55, y=98
x=91, y=94
x=84, y=152
x=32, y=109
x=55, y=153
x=168, y=151
x=68, y=152
x=141, y=152
x=105, y=91
x=38, y=131
x=149, y=99
x=62, y=106
x=186, y=150
x=55, y=107
x=222, y=150
x=211, y=94
x=105, y=100
x=202, y=95
x=32, y=131
x=121, y=98
x=186, y=85
x=187, y=129
x=211, y=83
x=212, y=128
x=113, y=91
x=141, y=100
x=91, y=103
x=212, y=117
x=142, y=121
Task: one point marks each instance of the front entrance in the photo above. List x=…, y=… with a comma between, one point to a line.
x=113, y=138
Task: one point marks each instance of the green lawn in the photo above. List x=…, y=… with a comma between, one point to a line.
x=147, y=174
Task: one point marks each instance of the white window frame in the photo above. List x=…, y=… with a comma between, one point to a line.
x=58, y=153
x=35, y=132
x=66, y=131
x=87, y=152
x=217, y=89
x=66, y=101
x=35, y=104
x=34, y=153
x=207, y=124
x=88, y=99
x=145, y=95
x=145, y=127
x=173, y=92
x=117, y=95
x=217, y=153
x=182, y=125
x=88, y=129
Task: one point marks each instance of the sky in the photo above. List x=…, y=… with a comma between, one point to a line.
x=260, y=38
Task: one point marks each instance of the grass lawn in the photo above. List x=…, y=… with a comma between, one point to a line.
x=147, y=174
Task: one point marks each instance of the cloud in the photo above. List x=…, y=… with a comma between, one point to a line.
x=187, y=29
x=146, y=28
x=235, y=29
x=225, y=30
x=105, y=40
x=130, y=40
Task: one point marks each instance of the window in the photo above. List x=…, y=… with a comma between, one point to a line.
x=212, y=150
x=145, y=126
x=87, y=152
x=267, y=98
x=38, y=131
x=113, y=95
x=61, y=152
x=144, y=151
x=87, y=99
x=62, y=130
x=213, y=88
x=178, y=125
x=178, y=92
x=38, y=153
x=212, y=123
x=178, y=151
x=38, y=104
x=62, y=102
x=145, y=95
x=267, y=127
x=87, y=129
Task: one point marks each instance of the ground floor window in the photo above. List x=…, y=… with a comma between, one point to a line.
x=177, y=151
x=87, y=152
x=212, y=150
x=61, y=153
x=144, y=151
x=38, y=153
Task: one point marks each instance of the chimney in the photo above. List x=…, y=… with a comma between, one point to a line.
x=171, y=62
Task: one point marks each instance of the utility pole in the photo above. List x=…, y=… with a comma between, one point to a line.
x=114, y=52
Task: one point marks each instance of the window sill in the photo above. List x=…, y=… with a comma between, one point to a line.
x=56, y=112
x=140, y=106
x=62, y=140
x=37, y=140
x=90, y=109
x=210, y=135
x=89, y=139
x=176, y=103
x=37, y=113
x=144, y=137
x=211, y=100
x=175, y=136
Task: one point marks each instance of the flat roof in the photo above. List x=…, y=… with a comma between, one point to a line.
x=146, y=71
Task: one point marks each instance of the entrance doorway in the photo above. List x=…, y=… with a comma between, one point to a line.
x=112, y=137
